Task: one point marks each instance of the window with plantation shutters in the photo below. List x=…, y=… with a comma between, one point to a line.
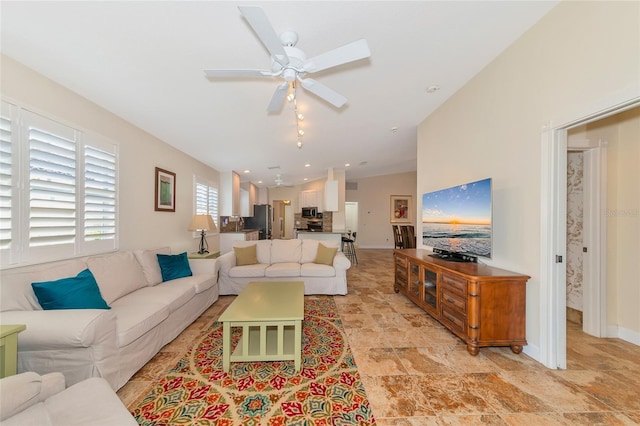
x=99, y=194
x=206, y=197
x=7, y=123
x=52, y=184
x=59, y=196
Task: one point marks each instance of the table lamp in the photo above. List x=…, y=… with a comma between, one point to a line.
x=202, y=222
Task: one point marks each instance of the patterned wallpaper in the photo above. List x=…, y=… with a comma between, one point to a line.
x=574, y=229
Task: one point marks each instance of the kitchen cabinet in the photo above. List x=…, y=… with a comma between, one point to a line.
x=483, y=305
x=312, y=198
x=247, y=199
x=229, y=194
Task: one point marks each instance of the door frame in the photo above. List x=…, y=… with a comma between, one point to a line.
x=553, y=228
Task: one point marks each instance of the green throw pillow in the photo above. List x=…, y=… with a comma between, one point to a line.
x=246, y=255
x=79, y=292
x=325, y=255
x=174, y=266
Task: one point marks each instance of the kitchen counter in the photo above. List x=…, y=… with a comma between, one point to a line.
x=240, y=231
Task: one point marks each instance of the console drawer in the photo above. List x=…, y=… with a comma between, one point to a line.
x=454, y=320
x=455, y=301
x=453, y=283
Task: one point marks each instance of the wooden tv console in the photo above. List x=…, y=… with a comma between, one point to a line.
x=482, y=305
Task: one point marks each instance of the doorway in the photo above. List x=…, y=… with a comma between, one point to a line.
x=554, y=245
x=351, y=216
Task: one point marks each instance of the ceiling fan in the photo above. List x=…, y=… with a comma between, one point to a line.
x=280, y=183
x=290, y=63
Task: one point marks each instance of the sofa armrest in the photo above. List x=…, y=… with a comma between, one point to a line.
x=21, y=391
x=64, y=328
x=226, y=262
x=341, y=262
x=204, y=266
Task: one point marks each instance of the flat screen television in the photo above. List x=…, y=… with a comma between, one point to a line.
x=456, y=221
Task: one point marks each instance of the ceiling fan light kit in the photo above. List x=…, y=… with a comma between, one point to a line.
x=290, y=63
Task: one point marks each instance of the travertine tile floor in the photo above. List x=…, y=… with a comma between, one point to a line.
x=418, y=373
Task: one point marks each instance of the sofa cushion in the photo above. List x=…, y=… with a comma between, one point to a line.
x=246, y=255
x=310, y=249
x=317, y=270
x=117, y=275
x=325, y=255
x=174, y=266
x=17, y=293
x=263, y=249
x=79, y=292
x=135, y=318
x=286, y=251
x=149, y=262
x=283, y=270
x=248, y=271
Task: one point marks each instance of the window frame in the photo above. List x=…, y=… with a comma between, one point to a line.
x=20, y=251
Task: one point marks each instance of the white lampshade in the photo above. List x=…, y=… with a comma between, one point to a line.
x=202, y=222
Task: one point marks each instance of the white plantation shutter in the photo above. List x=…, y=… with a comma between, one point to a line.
x=206, y=197
x=59, y=196
x=99, y=194
x=7, y=124
x=52, y=186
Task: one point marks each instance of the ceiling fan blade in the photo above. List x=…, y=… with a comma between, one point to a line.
x=264, y=30
x=341, y=55
x=319, y=89
x=237, y=73
x=278, y=97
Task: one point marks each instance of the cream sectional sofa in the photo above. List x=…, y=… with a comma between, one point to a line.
x=285, y=260
x=32, y=399
x=145, y=314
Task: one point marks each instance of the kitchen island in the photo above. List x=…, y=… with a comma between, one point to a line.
x=227, y=238
x=334, y=236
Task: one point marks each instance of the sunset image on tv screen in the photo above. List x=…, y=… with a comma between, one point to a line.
x=458, y=219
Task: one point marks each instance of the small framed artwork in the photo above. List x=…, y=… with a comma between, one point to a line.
x=165, y=200
x=401, y=209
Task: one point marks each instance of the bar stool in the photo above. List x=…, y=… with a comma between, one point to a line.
x=349, y=248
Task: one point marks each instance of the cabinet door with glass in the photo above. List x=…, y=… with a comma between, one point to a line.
x=414, y=280
x=430, y=284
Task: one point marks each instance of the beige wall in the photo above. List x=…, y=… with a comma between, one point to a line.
x=578, y=59
x=622, y=133
x=374, y=206
x=140, y=153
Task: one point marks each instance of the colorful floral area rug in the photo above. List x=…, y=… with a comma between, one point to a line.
x=326, y=391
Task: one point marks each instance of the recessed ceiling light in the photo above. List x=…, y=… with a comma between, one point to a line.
x=307, y=165
x=247, y=171
x=305, y=179
x=394, y=129
x=347, y=164
x=433, y=88
x=259, y=181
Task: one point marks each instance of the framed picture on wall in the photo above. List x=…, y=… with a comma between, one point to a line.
x=165, y=193
x=401, y=209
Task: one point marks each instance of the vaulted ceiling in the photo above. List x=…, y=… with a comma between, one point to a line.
x=144, y=61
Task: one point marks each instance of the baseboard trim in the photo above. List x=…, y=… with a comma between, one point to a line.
x=624, y=334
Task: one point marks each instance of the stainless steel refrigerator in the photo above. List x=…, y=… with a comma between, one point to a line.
x=262, y=220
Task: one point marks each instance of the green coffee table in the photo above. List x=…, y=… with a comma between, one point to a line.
x=270, y=315
x=9, y=348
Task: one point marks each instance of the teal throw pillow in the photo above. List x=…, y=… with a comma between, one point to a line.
x=174, y=266
x=79, y=292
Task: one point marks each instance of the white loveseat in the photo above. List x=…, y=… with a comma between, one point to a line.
x=285, y=260
x=32, y=399
x=145, y=314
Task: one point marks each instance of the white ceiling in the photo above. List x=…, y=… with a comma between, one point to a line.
x=144, y=61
